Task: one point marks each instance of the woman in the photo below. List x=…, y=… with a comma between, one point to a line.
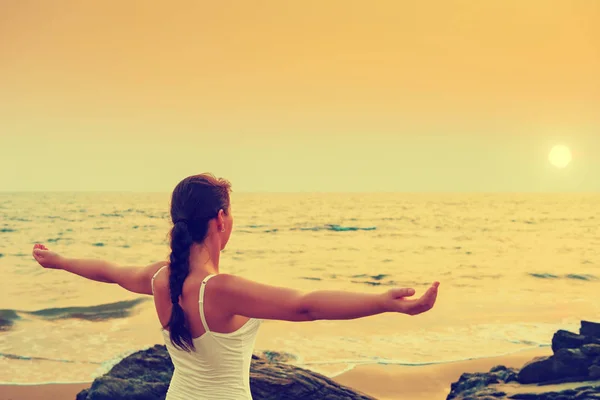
x=210, y=319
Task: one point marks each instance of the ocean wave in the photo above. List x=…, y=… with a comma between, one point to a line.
x=352, y=363
x=7, y=319
x=107, y=365
x=102, y=312
x=109, y=215
x=336, y=228
x=579, y=277
x=326, y=227
x=364, y=279
x=120, y=309
x=19, y=219
x=53, y=217
x=33, y=358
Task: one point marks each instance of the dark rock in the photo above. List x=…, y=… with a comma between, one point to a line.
x=576, y=359
x=491, y=393
x=591, y=350
x=525, y=396
x=537, y=370
x=504, y=374
x=590, y=329
x=585, y=392
x=146, y=374
x=572, y=362
x=272, y=381
x=469, y=384
x=569, y=340
x=565, y=364
x=482, y=394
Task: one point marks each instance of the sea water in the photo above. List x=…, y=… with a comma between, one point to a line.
x=514, y=268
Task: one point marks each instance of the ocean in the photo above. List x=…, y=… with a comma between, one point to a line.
x=514, y=268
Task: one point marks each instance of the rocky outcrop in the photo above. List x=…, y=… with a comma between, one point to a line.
x=474, y=384
x=569, y=340
x=576, y=358
x=145, y=375
x=565, y=365
x=491, y=393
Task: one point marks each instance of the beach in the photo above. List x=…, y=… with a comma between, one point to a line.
x=429, y=382
x=513, y=269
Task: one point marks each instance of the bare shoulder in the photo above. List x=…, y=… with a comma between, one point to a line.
x=252, y=299
x=227, y=283
x=135, y=278
x=158, y=270
x=158, y=273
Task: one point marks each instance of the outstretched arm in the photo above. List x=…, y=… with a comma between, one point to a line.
x=244, y=297
x=134, y=279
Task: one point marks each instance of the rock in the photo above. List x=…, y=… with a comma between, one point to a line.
x=576, y=358
x=591, y=350
x=590, y=329
x=566, y=364
x=594, y=372
x=539, y=369
x=146, y=374
x=571, y=363
x=471, y=383
x=569, y=340
x=586, y=392
x=504, y=374
x=271, y=381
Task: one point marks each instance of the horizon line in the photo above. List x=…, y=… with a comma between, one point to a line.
x=302, y=192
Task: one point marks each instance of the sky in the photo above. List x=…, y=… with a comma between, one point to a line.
x=306, y=96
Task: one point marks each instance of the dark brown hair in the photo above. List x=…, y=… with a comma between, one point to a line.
x=196, y=200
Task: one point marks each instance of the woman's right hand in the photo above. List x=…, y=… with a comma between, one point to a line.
x=398, y=301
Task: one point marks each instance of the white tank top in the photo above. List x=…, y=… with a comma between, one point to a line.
x=219, y=368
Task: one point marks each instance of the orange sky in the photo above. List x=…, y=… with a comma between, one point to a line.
x=299, y=96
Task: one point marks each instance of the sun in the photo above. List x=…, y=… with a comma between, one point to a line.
x=560, y=156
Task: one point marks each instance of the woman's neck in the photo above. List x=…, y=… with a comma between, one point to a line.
x=204, y=258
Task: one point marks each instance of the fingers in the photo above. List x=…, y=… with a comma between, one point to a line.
x=431, y=295
x=35, y=247
x=39, y=246
x=434, y=287
x=402, y=292
x=38, y=250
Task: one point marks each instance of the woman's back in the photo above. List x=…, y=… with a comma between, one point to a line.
x=218, y=321
x=218, y=367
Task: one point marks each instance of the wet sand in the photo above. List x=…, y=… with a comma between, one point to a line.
x=58, y=391
x=428, y=382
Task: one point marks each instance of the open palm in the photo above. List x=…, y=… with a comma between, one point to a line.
x=45, y=257
x=399, y=301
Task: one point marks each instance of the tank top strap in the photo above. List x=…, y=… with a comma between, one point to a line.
x=201, y=302
x=154, y=276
